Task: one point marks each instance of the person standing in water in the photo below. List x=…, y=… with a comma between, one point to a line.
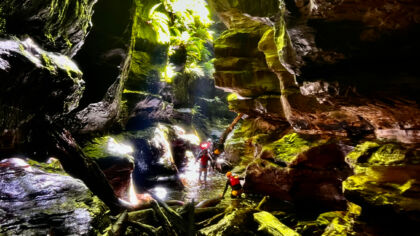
x=204, y=158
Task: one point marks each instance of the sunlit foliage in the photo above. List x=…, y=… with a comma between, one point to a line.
x=189, y=31
x=154, y=23
x=182, y=25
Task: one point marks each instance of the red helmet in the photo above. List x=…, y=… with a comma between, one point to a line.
x=204, y=145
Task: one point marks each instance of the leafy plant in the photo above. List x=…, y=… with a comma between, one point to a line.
x=154, y=24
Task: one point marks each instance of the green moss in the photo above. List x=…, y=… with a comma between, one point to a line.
x=280, y=33
x=290, y=91
x=343, y=225
x=234, y=223
x=2, y=22
x=290, y=146
x=370, y=188
x=388, y=154
x=324, y=219
x=48, y=64
x=359, y=151
x=270, y=225
x=97, y=148
x=53, y=167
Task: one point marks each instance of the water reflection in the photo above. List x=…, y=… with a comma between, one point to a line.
x=160, y=192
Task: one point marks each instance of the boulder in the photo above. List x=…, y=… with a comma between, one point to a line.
x=305, y=170
x=248, y=137
x=36, y=202
x=386, y=180
x=35, y=84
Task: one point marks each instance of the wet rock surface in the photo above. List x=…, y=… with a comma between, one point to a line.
x=35, y=84
x=59, y=26
x=34, y=202
x=114, y=159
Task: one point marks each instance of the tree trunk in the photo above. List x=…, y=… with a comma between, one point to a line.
x=221, y=142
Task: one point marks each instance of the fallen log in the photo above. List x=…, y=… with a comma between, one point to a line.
x=118, y=228
x=201, y=214
x=209, y=202
x=167, y=225
x=211, y=221
x=221, y=142
x=146, y=228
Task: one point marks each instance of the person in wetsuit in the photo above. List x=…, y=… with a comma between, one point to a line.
x=204, y=158
x=234, y=182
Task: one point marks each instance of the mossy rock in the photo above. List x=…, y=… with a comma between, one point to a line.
x=360, y=152
x=51, y=166
x=58, y=25
x=388, y=154
x=343, y=224
x=110, y=150
x=288, y=148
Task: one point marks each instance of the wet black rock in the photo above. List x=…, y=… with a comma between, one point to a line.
x=58, y=25
x=35, y=84
x=34, y=202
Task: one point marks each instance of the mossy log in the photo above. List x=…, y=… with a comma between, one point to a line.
x=118, y=227
x=146, y=228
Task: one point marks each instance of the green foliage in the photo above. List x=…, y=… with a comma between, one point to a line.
x=152, y=23
x=232, y=97
x=183, y=27
x=189, y=30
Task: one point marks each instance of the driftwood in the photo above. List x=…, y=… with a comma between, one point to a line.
x=201, y=214
x=229, y=129
x=187, y=214
x=167, y=225
x=118, y=228
x=211, y=220
x=261, y=203
x=146, y=228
